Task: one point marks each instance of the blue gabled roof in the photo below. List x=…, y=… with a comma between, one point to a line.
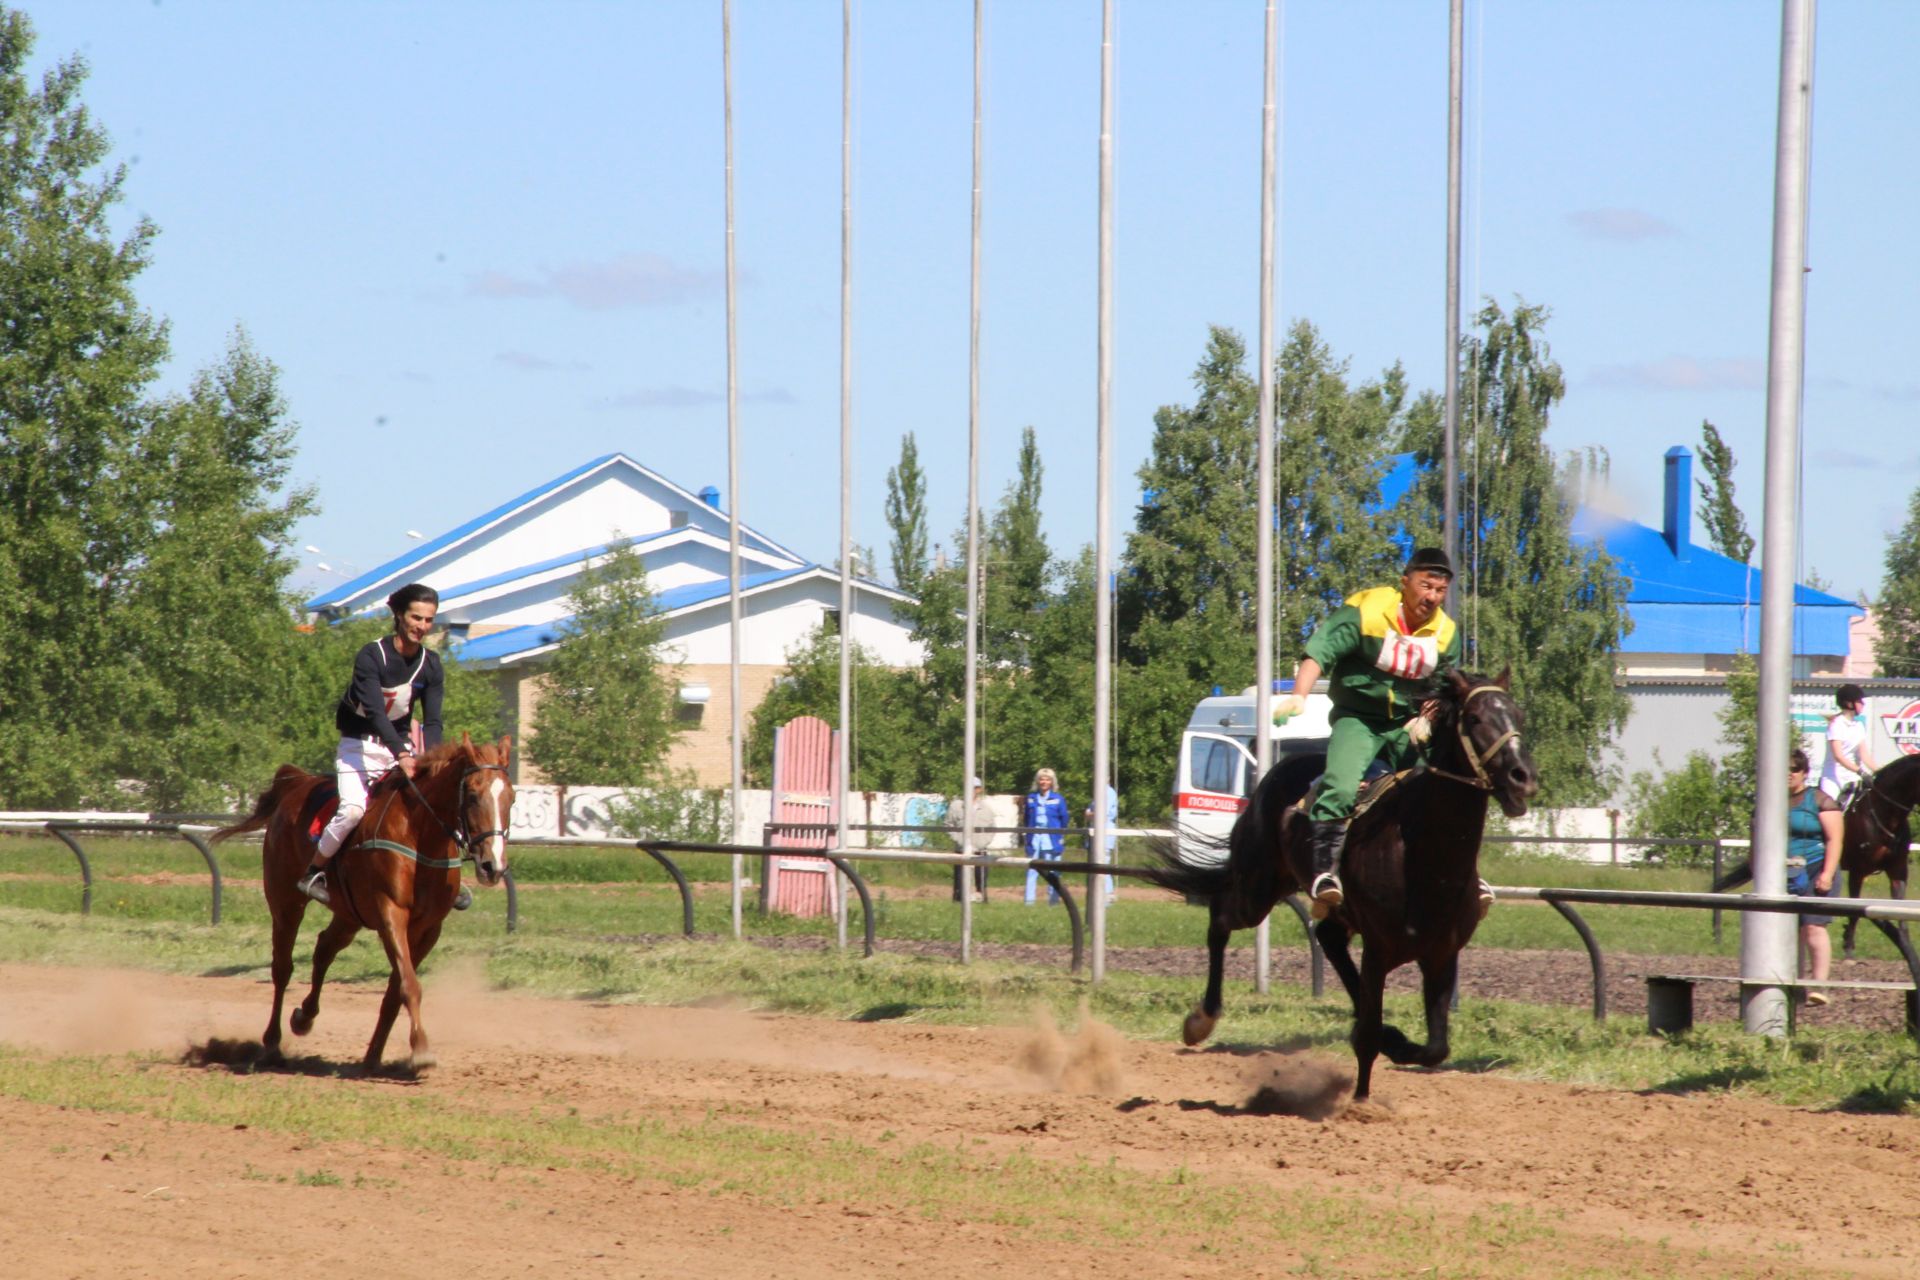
x=416, y=555
x=536, y=635
x=557, y=562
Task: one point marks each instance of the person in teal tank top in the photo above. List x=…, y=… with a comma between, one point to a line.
x=1814, y=827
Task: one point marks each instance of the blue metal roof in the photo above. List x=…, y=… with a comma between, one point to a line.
x=416, y=555
x=1700, y=602
x=557, y=562
x=536, y=635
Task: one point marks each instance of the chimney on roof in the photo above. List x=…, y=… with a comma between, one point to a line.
x=711, y=496
x=1678, y=523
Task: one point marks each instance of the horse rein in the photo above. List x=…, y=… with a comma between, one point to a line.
x=1478, y=759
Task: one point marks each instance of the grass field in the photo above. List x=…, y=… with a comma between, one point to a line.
x=597, y=892
x=580, y=908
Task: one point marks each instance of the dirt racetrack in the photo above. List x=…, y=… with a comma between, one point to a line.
x=1683, y=1185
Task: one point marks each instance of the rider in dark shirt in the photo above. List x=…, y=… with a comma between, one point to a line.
x=391, y=677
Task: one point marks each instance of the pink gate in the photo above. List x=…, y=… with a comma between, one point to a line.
x=806, y=788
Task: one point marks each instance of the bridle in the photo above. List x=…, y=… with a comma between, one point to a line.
x=1866, y=801
x=1476, y=758
x=457, y=830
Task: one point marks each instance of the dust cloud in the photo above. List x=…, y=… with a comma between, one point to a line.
x=1087, y=1061
x=1305, y=1085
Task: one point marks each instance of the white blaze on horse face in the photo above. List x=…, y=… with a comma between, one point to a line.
x=497, y=842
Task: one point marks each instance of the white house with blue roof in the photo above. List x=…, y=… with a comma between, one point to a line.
x=504, y=578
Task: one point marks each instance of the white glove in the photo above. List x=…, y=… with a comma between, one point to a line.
x=1288, y=707
x=1419, y=729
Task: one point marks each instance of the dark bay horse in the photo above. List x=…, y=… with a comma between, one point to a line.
x=1879, y=832
x=397, y=875
x=1411, y=870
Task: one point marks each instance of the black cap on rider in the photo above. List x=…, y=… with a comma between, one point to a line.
x=1849, y=695
x=1429, y=560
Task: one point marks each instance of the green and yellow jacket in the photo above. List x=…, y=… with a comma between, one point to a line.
x=1376, y=668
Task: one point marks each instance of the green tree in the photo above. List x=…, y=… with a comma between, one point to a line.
x=907, y=517
x=1719, y=512
x=607, y=707
x=885, y=752
x=1897, y=651
x=1530, y=598
x=143, y=539
x=1189, y=589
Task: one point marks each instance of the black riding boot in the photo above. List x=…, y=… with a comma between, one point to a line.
x=1329, y=838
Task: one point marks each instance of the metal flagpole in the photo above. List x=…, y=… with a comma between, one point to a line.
x=1450, y=518
x=733, y=479
x=1263, y=554
x=1103, y=551
x=846, y=451
x=1767, y=948
x=969, y=762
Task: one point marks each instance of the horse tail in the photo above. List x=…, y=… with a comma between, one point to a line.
x=267, y=805
x=1201, y=876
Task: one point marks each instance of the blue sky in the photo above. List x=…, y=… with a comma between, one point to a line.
x=484, y=241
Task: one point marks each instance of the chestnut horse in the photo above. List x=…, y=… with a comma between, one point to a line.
x=1879, y=832
x=397, y=875
x=1410, y=869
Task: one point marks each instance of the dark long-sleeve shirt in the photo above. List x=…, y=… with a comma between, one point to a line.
x=385, y=690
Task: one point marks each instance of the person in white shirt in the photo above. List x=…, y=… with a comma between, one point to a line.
x=1849, y=756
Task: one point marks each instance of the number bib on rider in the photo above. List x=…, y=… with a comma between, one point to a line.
x=1408, y=657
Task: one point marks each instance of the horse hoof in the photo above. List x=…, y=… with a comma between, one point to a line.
x=1197, y=1027
x=423, y=1061
x=300, y=1022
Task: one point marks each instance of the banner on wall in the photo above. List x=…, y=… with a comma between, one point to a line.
x=1903, y=728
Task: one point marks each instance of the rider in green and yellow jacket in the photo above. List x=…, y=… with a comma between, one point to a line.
x=1383, y=652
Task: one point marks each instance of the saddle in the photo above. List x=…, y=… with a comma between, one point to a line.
x=1375, y=786
x=322, y=802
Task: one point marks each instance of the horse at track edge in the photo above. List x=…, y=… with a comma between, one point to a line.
x=1410, y=867
x=397, y=876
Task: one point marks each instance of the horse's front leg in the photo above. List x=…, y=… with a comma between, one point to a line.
x=336, y=935
x=403, y=986
x=1854, y=876
x=1334, y=937
x=1369, y=1005
x=1200, y=1023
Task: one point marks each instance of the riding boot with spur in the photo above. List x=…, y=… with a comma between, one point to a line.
x=1327, y=892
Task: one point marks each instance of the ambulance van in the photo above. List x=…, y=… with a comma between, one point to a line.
x=1217, y=769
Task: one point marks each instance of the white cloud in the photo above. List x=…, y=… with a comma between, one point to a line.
x=1620, y=224
x=632, y=280
x=1684, y=373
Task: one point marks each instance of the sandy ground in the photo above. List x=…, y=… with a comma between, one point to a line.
x=1683, y=1185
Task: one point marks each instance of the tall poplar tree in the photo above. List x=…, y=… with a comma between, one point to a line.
x=907, y=517
x=1718, y=510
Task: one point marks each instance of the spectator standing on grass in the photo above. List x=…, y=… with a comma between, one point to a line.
x=982, y=840
x=1113, y=841
x=1849, y=759
x=1044, y=807
x=1814, y=826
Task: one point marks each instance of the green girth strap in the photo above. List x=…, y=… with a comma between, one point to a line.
x=412, y=855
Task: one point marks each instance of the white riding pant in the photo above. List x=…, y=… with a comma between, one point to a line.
x=357, y=764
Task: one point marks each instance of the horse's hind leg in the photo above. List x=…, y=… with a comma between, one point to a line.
x=287, y=915
x=1436, y=986
x=1199, y=1024
x=337, y=934
x=1333, y=937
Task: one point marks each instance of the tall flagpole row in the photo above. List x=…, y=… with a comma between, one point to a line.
x=1263, y=544
x=969, y=757
x=843, y=749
